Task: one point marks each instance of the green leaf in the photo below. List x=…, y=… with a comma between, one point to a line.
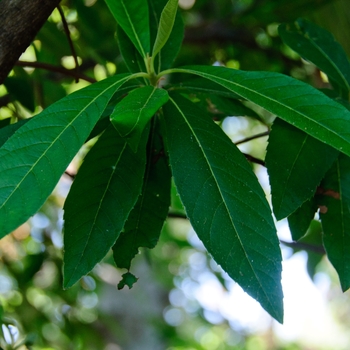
x=132, y=114
x=319, y=47
x=34, y=158
x=133, y=17
x=202, y=85
x=165, y=27
x=300, y=220
x=293, y=101
x=146, y=220
x=132, y=58
x=128, y=280
x=102, y=195
x=169, y=51
x=334, y=202
x=225, y=203
x=314, y=247
x=224, y=107
x=104, y=120
x=296, y=163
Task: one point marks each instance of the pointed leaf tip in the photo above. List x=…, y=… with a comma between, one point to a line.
x=224, y=202
x=166, y=24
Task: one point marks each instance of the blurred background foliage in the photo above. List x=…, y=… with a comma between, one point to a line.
x=166, y=308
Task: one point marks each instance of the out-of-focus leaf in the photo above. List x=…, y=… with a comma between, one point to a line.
x=293, y=101
x=319, y=47
x=334, y=202
x=146, y=220
x=266, y=11
x=102, y=195
x=313, y=238
x=9, y=130
x=296, y=163
x=21, y=89
x=225, y=203
x=33, y=159
x=133, y=17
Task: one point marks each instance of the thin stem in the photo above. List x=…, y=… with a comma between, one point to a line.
x=67, y=31
x=57, y=69
x=262, y=134
x=305, y=246
x=253, y=159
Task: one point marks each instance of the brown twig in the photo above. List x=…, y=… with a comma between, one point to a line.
x=250, y=138
x=52, y=68
x=67, y=31
x=253, y=159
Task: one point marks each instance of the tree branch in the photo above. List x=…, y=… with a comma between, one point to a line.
x=250, y=138
x=69, y=72
x=20, y=21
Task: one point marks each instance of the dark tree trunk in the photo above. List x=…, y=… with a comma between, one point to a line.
x=20, y=21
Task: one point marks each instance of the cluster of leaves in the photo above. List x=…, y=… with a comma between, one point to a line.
x=151, y=131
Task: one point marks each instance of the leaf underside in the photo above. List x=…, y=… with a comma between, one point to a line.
x=169, y=51
x=224, y=203
x=165, y=27
x=146, y=220
x=102, y=195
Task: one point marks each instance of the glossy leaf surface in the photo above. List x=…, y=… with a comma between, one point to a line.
x=296, y=163
x=34, y=158
x=112, y=176
x=334, y=202
x=133, y=17
x=293, y=101
x=132, y=114
x=225, y=203
x=146, y=220
x=319, y=47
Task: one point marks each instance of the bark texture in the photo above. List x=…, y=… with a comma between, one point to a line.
x=20, y=21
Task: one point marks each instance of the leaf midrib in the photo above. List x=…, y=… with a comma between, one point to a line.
x=102, y=198
x=210, y=77
x=133, y=28
x=223, y=201
x=291, y=170
x=56, y=139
